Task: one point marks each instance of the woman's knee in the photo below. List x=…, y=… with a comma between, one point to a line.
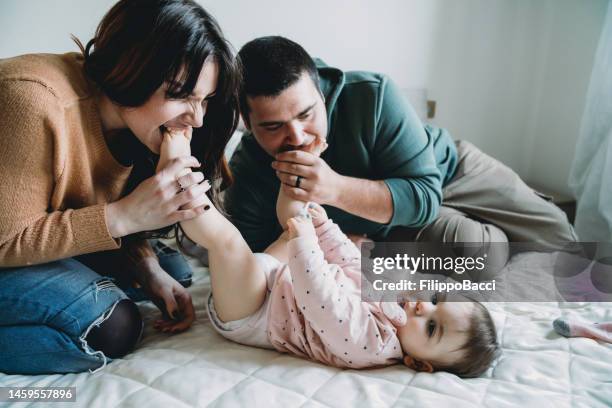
x=56, y=352
x=118, y=332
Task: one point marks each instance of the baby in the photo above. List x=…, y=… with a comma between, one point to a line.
x=306, y=299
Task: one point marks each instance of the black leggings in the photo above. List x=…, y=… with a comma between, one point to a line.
x=119, y=333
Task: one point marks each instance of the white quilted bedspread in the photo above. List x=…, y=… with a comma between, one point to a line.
x=200, y=368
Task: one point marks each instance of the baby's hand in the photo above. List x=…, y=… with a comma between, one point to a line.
x=318, y=214
x=301, y=227
x=176, y=143
x=394, y=313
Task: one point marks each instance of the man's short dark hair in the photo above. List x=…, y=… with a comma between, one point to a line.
x=271, y=65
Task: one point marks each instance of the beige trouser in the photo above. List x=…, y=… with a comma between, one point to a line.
x=487, y=202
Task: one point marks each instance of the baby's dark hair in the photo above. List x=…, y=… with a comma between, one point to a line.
x=480, y=348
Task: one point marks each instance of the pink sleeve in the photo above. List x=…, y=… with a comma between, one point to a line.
x=331, y=304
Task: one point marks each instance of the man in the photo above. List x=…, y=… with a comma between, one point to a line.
x=384, y=174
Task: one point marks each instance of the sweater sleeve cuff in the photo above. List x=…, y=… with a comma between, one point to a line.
x=90, y=230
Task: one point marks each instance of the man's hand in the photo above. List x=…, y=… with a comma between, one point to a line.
x=172, y=299
x=318, y=182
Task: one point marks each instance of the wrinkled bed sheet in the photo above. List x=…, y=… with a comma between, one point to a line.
x=200, y=368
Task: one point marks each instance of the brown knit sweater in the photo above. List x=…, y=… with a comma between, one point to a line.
x=57, y=170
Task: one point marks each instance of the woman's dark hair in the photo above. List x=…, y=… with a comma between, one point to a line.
x=270, y=65
x=141, y=44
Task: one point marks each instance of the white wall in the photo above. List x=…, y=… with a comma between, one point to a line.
x=45, y=26
x=508, y=75
x=565, y=71
x=512, y=77
x=392, y=36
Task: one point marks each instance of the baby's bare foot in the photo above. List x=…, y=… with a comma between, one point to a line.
x=317, y=147
x=176, y=143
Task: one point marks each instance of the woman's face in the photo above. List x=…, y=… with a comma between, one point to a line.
x=148, y=121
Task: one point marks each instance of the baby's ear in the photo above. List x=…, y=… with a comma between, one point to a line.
x=418, y=365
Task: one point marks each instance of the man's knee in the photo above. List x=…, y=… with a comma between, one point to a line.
x=473, y=238
x=458, y=227
x=560, y=227
x=119, y=332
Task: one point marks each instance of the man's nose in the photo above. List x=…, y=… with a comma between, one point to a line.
x=295, y=133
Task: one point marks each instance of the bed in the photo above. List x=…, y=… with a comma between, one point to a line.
x=200, y=368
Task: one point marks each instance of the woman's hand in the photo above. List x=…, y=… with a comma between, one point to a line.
x=157, y=201
x=175, y=143
x=172, y=299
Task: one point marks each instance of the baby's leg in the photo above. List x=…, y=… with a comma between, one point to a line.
x=237, y=280
x=287, y=207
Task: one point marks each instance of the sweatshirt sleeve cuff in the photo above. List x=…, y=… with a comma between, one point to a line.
x=407, y=211
x=90, y=230
x=404, y=211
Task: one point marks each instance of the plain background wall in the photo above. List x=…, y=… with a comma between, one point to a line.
x=510, y=76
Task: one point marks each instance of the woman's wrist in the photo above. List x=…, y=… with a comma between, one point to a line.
x=115, y=220
x=146, y=269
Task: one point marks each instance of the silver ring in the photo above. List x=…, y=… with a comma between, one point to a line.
x=298, y=181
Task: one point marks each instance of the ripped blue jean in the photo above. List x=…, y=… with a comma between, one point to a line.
x=47, y=310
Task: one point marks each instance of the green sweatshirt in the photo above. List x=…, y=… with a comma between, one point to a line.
x=373, y=134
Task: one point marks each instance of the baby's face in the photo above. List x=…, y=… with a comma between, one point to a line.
x=435, y=330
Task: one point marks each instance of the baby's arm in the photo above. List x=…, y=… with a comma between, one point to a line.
x=237, y=280
x=329, y=301
x=337, y=247
x=287, y=207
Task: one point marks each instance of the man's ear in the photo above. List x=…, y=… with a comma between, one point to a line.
x=418, y=365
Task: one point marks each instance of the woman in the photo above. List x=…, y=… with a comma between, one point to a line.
x=78, y=139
